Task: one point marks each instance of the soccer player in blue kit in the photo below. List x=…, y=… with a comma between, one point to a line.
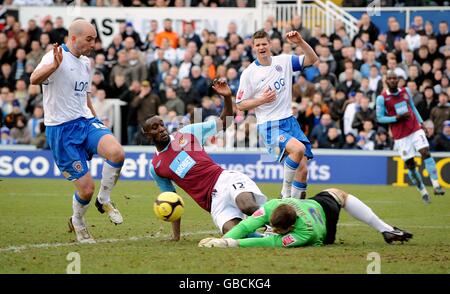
x=73, y=132
x=266, y=86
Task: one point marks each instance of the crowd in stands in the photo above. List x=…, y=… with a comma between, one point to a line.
x=394, y=3
x=135, y=3
x=170, y=72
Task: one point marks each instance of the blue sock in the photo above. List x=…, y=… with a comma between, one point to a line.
x=416, y=179
x=430, y=165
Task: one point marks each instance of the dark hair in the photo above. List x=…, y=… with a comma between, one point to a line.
x=260, y=35
x=283, y=217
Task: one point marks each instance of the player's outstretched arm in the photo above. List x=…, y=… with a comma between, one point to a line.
x=310, y=56
x=176, y=230
x=221, y=87
x=42, y=73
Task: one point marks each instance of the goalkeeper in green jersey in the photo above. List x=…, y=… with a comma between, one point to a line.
x=310, y=222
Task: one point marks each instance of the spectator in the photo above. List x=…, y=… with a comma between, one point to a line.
x=167, y=33
x=40, y=141
x=103, y=108
x=59, y=33
x=188, y=94
x=130, y=32
x=199, y=82
x=364, y=114
x=428, y=127
x=416, y=95
x=174, y=103
x=320, y=131
x=365, y=25
x=350, y=142
x=394, y=32
x=349, y=84
x=427, y=103
x=412, y=38
x=382, y=140
x=297, y=25
x=144, y=105
x=442, y=141
x=366, y=137
x=35, y=121
x=443, y=33
x=121, y=68
x=441, y=112
x=20, y=134
x=302, y=88
x=332, y=140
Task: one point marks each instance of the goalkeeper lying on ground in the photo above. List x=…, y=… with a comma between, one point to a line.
x=310, y=222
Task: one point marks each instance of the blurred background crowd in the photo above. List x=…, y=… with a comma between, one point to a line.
x=211, y=3
x=169, y=73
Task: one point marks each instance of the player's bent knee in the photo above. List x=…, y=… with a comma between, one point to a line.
x=116, y=154
x=230, y=224
x=86, y=191
x=425, y=153
x=339, y=195
x=410, y=164
x=246, y=202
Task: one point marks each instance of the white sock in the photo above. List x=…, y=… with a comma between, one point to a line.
x=423, y=191
x=362, y=212
x=290, y=167
x=79, y=207
x=435, y=183
x=297, y=189
x=110, y=175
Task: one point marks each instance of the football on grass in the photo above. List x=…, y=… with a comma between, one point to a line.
x=169, y=206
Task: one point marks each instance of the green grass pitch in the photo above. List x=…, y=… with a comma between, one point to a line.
x=34, y=237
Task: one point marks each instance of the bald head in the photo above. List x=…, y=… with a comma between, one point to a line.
x=391, y=73
x=392, y=80
x=81, y=26
x=82, y=37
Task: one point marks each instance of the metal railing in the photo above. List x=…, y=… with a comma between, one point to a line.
x=313, y=13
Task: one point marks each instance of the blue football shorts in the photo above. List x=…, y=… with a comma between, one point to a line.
x=73, y=143
x=276, y=135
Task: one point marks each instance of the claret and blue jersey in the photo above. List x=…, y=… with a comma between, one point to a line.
x=185, y=162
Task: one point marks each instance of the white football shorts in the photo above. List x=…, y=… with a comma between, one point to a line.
x=228, y=186
x=408, y=145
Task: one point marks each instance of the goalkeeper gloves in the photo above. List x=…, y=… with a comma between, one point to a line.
x=218, y=242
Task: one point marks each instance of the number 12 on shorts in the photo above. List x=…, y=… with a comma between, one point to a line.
x=238, y=186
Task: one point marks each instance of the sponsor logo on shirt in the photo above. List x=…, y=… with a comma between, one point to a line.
x=282, y=138
x=288, y=240
x=278, y=68
x=260, y=212
x=182, y=164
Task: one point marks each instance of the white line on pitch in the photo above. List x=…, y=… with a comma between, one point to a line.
x=19, y=248
x=409, y=226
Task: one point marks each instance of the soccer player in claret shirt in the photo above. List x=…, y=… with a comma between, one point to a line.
x=266, y=86
x=298, y=223
x=180, y=157
x=395, y=107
